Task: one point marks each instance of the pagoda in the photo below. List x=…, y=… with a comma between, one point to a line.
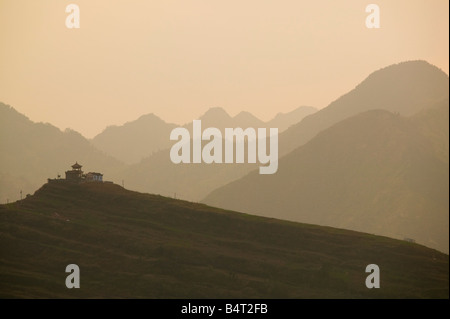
x=75, y=174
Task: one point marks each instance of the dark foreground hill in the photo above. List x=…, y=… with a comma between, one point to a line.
x=129, y=244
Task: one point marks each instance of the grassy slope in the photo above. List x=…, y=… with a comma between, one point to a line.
x=129, y=244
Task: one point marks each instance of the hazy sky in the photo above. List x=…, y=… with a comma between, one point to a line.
x=178, y=58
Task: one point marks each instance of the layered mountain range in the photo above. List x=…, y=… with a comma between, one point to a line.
x=374, y=160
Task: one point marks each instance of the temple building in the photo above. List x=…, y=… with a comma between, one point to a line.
x=94, y=177
x=76, y=174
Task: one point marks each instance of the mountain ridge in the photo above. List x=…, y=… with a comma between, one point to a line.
x=374, y=172
x=126, y=142
x=377, y=91
x=403, y=88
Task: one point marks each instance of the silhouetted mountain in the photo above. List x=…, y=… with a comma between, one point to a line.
x=403, y=88
x=246, y=119
x=216, y=117
x=132, y=245
x=219, y=118
x=32, y=152
x=139, y=139
x=135, y=140
x=375, y=172
x=399, y=88
x=157, y=174
x=284, y=120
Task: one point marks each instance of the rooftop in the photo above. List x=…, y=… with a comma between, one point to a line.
x=76, y=166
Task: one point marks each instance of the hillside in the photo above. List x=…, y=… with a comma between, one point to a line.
x=135, y=140
x=284, y=120
x=132, y=245
x=403, y=88
x=433, y=123
x=32, y=152
x=375, y=172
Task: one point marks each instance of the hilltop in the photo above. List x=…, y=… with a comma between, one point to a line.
x=32, y=152
x=134, y=245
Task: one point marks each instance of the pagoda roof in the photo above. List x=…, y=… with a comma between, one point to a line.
x=76, y=165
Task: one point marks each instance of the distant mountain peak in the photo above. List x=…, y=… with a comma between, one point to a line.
x=405, y=71
x=246, y=116
x=149, y=116
x=404, y=88
x=135, y=140
x=215, y=112
x=244, y=113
